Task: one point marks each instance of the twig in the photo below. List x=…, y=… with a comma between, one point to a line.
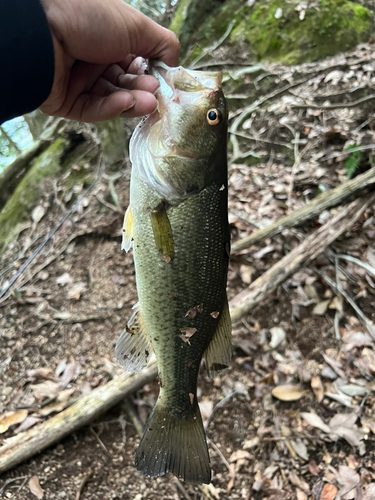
x=100, y=442
x=310, y=211
x=182, y=489
x=11, y=480
x=336, y=287
x=209, y=50
x=223, y=459
x=334, y=106
x=83, y=483
x=220, y=404
x=359, y=263
x=129, y=409
x=53, y=231
x=307, y=251
x=248, y=110
x=260, y=139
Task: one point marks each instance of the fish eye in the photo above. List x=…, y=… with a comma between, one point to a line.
x=213, y=116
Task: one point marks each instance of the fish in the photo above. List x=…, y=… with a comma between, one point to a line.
x=177, y=225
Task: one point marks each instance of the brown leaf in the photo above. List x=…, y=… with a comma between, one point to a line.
x=369, y=493
x=69, y=373
x=35, y=488
x=47, y=389
x=313, y=468
x=329, y=492
x=232, y=475
x=187, y=333
x=296, y=481
x=11, y=418
x=288, y=392
x=27, y=423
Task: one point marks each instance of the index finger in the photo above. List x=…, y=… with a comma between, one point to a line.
x=148, y=39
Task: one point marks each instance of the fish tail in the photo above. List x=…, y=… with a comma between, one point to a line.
x=174, y=444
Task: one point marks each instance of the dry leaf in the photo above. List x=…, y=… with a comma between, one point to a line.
x=296, y=481
x=206, y=407
x=321, y=308
x=11, y=418
x=300, y=448
x=301, y=495
x=27, y=423
x=47, y=389
x=38, y=213
x=369, y=493
x=278, y=336
x=70, y=373
x=337, y=304
x=239, y=455
x=187, y=333
x=353, y=390
x=64, y=279
x=317, y=387
x=35, y=488
x=344, y=426
x=288, y=392
x=75, y=291
x=315, y=421
x=349, y=479
x=329, y=492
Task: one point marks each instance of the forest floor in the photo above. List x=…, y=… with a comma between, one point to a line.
x=58, y=329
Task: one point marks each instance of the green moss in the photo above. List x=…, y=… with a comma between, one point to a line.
x=335, y=26
x=28, y=192
x=180, y=17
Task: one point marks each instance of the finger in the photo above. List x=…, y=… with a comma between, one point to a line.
x=138, y=66
x=115, y=74
x=93, y=108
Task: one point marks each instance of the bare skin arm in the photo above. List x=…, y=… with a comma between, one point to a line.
x=97, y=71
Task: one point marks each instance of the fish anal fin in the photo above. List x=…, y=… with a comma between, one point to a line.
x=218, y=354
x=127, y=230
x=174, y=444
x=133, y=348
x=162, y=231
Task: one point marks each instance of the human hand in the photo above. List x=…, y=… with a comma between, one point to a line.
x=96, y=70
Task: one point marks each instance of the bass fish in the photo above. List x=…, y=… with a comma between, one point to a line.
x=177, y=224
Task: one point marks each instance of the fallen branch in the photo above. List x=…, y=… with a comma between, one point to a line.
x=339, y=105
x=307, y=251
x=313, y=209
x=23, y=446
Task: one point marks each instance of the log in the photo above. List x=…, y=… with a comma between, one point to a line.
x=23, y=446
x=307, y=251
x=310, y=211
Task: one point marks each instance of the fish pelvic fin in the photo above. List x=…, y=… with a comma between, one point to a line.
x=133, y=348
x=218, y=354
x=174, y=444
x=127, y=230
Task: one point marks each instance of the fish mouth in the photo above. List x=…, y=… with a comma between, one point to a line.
x=177, y=84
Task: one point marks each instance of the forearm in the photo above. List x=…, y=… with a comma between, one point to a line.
x=26, y=57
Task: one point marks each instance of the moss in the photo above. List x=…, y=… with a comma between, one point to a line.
x=335, y=26
x=28, y=192
x=180, y=17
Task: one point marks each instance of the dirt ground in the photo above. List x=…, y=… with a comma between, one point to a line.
x=311, y=439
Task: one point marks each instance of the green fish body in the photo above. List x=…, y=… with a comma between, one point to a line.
x=177, y=222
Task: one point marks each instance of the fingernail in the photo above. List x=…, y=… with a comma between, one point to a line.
x=123, y=114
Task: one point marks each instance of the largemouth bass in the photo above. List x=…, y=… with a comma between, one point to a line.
x=177, y=223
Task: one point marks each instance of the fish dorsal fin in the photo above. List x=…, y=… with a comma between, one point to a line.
x=133, y=348
x=127, y=230
x=218, y=354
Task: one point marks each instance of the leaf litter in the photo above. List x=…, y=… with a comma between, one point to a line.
x=297, y=446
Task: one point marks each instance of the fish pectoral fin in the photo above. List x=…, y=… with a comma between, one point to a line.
x=127, y=230
x=174, y=444
x=133, y=348
x=162, y=230
x=218, y=354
